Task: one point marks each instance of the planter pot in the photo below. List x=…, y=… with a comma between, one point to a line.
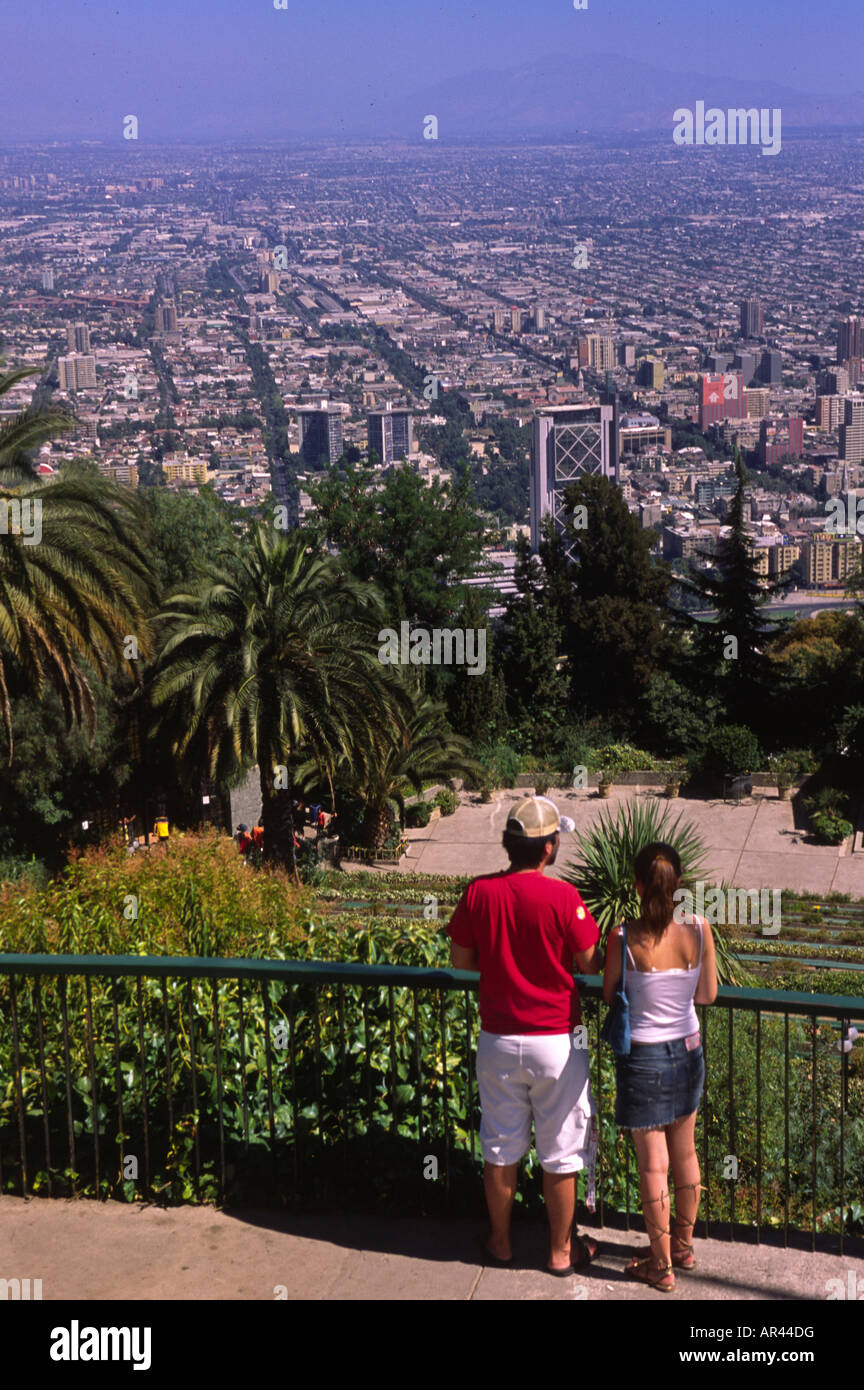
x=672, y=789
x=604, y=788
x=782, y=792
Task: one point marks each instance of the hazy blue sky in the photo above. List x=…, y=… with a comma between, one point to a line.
x=237, y=67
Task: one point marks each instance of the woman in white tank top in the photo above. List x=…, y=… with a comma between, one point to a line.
x=670, y=969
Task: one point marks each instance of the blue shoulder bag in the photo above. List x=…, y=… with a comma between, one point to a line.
x=616, y=1026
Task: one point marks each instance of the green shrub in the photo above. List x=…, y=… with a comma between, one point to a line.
x=731, y=748
x=448, y=801
x=615, y=758
x=831, y=829
x=501, y=764
x=417, y=814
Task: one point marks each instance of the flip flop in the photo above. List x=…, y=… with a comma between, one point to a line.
x=493, y=1260
x=587, y=1253
x=585, y=1259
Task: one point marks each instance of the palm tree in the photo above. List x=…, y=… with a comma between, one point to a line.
x=74, y=580
x=272, y=659
x=394, y=763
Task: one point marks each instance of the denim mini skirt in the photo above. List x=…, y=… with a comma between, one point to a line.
x=658, y=1083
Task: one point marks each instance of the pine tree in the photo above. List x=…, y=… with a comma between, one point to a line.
x=728, y=651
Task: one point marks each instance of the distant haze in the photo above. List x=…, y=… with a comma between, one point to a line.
x=230, y=69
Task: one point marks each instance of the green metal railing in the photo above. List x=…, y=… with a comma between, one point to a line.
x=180, y=1078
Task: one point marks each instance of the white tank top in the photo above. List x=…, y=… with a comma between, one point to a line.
x=661, y=1001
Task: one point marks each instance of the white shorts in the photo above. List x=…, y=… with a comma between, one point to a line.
x=522, y=1076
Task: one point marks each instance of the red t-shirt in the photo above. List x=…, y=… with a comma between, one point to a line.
x=525, y=928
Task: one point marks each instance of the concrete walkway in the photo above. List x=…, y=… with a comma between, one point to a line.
x=88, y=1250
x=752, y=845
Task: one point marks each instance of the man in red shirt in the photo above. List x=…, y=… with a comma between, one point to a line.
x=526, y=934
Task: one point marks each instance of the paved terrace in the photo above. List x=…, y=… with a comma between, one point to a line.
x=92, y=1250
x=751, y=845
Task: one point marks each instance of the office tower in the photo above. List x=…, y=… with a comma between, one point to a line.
x=516, y=319
x=721, y=398
x=852, y=430
x=752, y=318
x=717, y=362
x=500, y=320
x=569, y=441
x=47, y=279
x=745, y=363
x=539, y=318
x=601, y=352
x=781, y=438
x=771, y=368
x=77, y=337
x=850, y=338
x=651, y=373
x=76, y=373
x=320, y=434
x=829, y=412
x=270, y=282
x=390, y=434
x=626, y=355
x=834, y=381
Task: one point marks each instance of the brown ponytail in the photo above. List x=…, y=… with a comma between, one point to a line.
x=658, y=868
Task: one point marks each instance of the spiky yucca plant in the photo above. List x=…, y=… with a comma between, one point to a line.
x=602, y=869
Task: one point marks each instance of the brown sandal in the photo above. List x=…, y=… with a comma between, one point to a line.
x=641, y=1270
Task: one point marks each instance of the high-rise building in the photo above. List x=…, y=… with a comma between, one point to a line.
x=270, y=282
x=758, y=400
x=745, y=363
x=721, y=398
x=834, y=381
x=850, y=338
x=47, y=279
x=626, y=355
x=320, y=434
x=601, y=352
x=516, y=319
x=76, y=373
x=567, y=442
x=390, y=434
x=717, y=362
x=752, y=318
x=852, y=430
x=500, y=320
x=771, y=368
x=781, y=437
x=539, y=318
x=77, y=337
x=829, y=560
x=652, y=372
x=166, y=317
x=829, y=412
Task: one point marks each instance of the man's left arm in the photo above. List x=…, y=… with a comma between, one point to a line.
x=463, y=957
